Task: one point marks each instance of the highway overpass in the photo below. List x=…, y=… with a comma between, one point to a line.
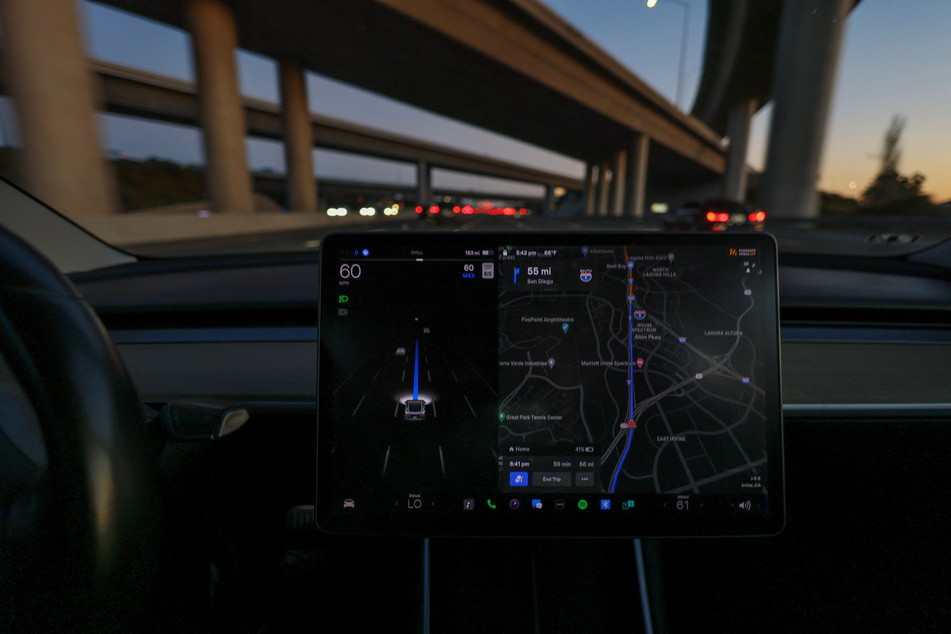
x=138, y=93
x=509, y=66
x=785, y=52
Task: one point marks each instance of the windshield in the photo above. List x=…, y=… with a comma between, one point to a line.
x=178, y=128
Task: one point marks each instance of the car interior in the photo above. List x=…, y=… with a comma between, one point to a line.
x=210, y=525
x=610, y=410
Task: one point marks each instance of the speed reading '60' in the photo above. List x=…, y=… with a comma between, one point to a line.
x=350, y=271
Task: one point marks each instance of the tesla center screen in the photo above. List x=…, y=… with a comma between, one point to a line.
x=549, y=384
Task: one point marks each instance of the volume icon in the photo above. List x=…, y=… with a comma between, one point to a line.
x=747, y=505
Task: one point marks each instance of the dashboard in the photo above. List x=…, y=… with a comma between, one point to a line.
x=866, y=364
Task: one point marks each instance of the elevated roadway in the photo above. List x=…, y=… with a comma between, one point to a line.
x=785, y=52
x=513, y=67
x=510, y=66
x=138, y=93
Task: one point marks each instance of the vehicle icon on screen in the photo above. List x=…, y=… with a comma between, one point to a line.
x=415, y=409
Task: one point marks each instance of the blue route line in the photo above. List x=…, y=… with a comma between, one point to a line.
x=630, y=377
x=627, y=447
x=416, y=374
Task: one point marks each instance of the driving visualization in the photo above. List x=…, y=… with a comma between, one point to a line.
x=631, y=370
x=414, y=393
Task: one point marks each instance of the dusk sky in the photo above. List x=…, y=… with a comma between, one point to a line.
x=896, y=59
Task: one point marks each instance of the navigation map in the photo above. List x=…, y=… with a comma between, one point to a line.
x=632, y=369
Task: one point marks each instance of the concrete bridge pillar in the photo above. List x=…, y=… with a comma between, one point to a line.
x=618, y=182
x=214, y=40
x=424, y=188
x=54, y=99
x=636, y=176
x=604, y=186
x=549, y=203
x=810, y=35
x=298, y=139
x=589, y=189
x=738, y=129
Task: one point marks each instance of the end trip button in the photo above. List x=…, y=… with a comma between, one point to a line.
x=551, y=479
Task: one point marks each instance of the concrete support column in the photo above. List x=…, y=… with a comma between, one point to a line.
x=424, y=188
x=54, y=97
x=604, y=187
x=810, y=35
x=298, y=139
x=589, y=189
x=738, y=129
x=636, y=176
x=618, y=184
x=214, y=39
x=549, y=199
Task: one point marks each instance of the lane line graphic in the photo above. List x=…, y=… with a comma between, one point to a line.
x=416, y=373
x=358, y=405
x=470, y=405
x=386, y=461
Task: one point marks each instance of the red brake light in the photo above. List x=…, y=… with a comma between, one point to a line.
x=712, y=217
x=723, y=217
x=419, y=210
x=434, y=209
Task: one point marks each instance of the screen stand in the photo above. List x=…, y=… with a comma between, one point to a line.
x=642, y=584
x=426, y=586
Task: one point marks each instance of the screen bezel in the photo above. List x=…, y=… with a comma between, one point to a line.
x=665, y=523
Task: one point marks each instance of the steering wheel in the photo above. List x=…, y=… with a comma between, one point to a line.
x=79, y=545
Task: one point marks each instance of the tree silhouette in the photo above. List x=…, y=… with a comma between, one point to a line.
x=892, y=152
x=892, y=192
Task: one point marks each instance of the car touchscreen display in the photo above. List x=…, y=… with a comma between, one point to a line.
x=549, y=384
